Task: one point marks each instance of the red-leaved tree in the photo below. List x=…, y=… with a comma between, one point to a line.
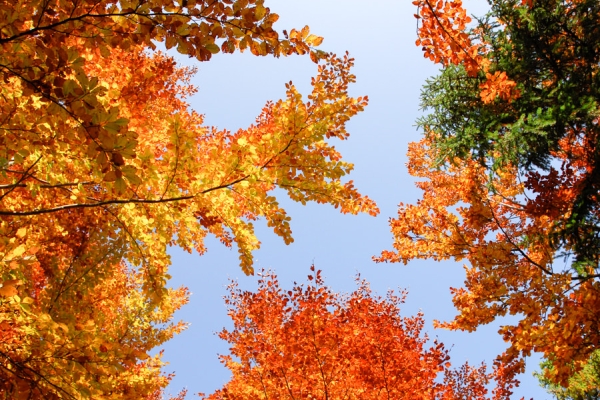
x=312, y=343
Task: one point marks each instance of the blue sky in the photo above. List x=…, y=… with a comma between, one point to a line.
x=390, y=69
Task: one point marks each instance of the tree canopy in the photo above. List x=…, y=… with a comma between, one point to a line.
x=582, y=385
x=103, y=165
x=509, y=166
x=309, y=342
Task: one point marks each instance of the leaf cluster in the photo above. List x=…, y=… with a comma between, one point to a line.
x=309, y=342
x=509, y=166
x=103, y=166
x=549, y=50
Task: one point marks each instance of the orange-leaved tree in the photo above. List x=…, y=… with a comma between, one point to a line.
x=509, y=172
x=309, y=342
x=103, y=166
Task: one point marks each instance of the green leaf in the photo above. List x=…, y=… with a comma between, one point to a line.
x=25, y=307
x=115, y=126
x=130, y=173
x=213, y=48
x=120, y=186
x=107, y=140
x=184, y=30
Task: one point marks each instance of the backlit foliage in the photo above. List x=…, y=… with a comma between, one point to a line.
x=583, y=385
x=103, y=166
x=312, y=343
x=445, y=39
x=509, y=178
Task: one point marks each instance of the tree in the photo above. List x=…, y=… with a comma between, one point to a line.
x=103, y=166
x=310, y=342
x=583, y=385
x=509, y=161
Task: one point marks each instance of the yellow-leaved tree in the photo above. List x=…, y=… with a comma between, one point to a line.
x=103, y=166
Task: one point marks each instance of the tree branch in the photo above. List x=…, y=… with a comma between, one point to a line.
x=118, y=201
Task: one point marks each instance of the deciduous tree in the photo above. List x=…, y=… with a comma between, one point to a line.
x=103, y=166
x=509, y=165
x=310, y=342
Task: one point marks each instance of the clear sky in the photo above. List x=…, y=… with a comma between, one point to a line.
x=390, y=69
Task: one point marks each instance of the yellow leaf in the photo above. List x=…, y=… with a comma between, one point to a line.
x=314, y=40
x=18, y=251
x=259, y=12
x=213, y=48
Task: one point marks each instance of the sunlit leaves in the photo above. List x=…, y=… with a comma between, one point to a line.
x=466, y=214
x=309, y=342
x=443, y=34
x=447, y=38
x=77, y=325
x=507, y=170
x=103, y=166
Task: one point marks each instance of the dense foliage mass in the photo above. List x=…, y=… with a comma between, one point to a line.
x=582, y=385
x=103, y=166
x=312, y=343
x=509, y=168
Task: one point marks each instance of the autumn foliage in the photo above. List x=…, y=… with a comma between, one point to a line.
x=445, y=38
x=310, y=342
x=509, y=173
x=103, y=166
